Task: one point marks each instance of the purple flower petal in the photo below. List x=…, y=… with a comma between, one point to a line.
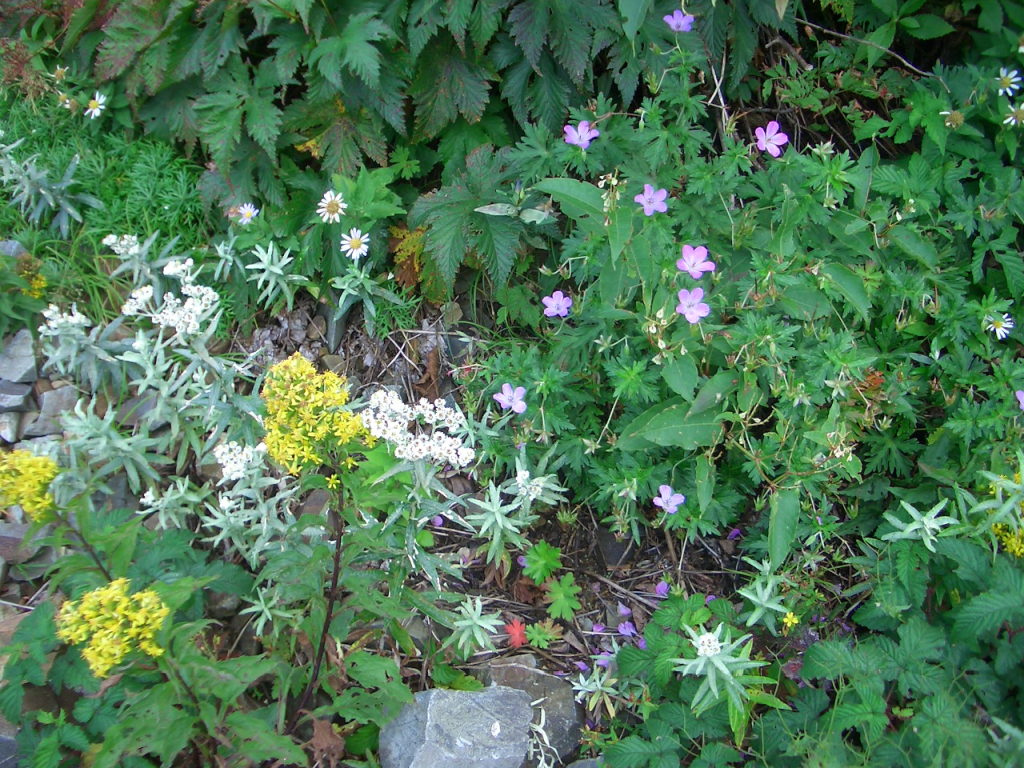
x=626, y=629
x=624, y=610
x=679, y=21
x=597, y=628
x=734, y=534
x=708, y=599
x=641, y=643
x=1020, y=398
x=662, y=589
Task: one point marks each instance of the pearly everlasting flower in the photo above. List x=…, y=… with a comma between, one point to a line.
x=580, y=136
x=1016, y=116
x=695, y=261
x=770, y=139
x=1008, y=81
x=355, y=244
x=234, y=459
x=96, y=105
x=679, y=21
x=1000, y=326
x=389, y=418
x=511, y=398
x=557, y=305
x=332, y=207
x=708, y=644
x=125, y=245
x=691, y=307
x=652, y=200
x=57, y=321
x=1020, y=398
x=246, y=213
x=669, y=500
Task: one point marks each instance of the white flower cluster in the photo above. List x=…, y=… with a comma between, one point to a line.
x=58, y=322
x=531, y=489
x=388, y=418
x=184, y=317
x=126, y=245
x=234, y=459
x=708, y=645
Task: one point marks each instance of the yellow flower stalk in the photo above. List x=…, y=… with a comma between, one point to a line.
x=25, y=480
x=113, y=623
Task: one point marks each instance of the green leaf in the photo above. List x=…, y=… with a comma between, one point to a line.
x=852, y=288
x=784, y=515
x=681, y=375
x=263, y=121
x=562, y=597
x=868, y=715
x=926, y=26
x=804, y=303
x=705, y=482
x=257, y=743
x=577, y=199
x=1012, y=263
x=910, y=240
x=714, y=391
x=670, y=424
x=219, y=116
x=634, y=12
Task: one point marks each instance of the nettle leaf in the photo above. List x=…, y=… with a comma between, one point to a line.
x=131, y=28
x=219, y=115
x=446, y=86
x=263, y=121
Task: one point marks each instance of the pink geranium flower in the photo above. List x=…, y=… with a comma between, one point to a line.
x=582, y=135
x=695, y=261
x=691, y=307
x=1020, y=398
x=669, y=500
x=679, y=21
x=652, y=200
x=511, y=398
x=770, y=139
x=557, y=305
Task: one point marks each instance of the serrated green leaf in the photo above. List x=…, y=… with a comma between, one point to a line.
x=910, y=240
x=263, y=121
x=670, y=424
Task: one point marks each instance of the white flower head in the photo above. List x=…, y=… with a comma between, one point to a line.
x=332, y=207
x=355, y=244
x=1008, y=81
x=96, y=105
x=1016, y=116
x=1000, y=326
x=246, y=213
x=708, y=644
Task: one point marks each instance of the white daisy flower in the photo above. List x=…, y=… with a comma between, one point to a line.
x=332, y=208
x=1000, y=326
x=246, y=213
x=64, y=100
x=1008, y=81
x=96, y=105
x=355, y=244
x=1016, y=116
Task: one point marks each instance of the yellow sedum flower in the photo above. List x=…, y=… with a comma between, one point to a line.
x=1012, y=541
x=25, y=480
x=113, y=623
x=790, y=620
x=306, y=415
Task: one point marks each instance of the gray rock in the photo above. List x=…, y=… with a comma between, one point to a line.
x=459, y=729
x=15, y=397
x=13, y=547
x=221, y=605
x=9, y=427
x=136, y=409
x=333, y=363
x=12, y=248
x=614, y=552
x=8, y=746
x=18, y=359
x=589, y=763
x=563, y=717
x=52, y=406
x=315, y=503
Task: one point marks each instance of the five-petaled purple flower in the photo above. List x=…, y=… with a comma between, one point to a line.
x=669, y=500
x=695, y=261
x=653, y=200
x=771, y=139
x=557, y=305
x=691, y=307
x=662, y=589
x=1020, y=398
x=582, y=135
x=511, y=398
x=679, y=21
x=626, y=629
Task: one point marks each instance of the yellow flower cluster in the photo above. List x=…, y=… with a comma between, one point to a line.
x=306, y=415
x=1012, y=541
x=114, y=623
x=28, y=269
x=25, y=480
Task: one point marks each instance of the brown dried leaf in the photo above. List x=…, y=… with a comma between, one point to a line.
x=427, y=386
x=327, y=745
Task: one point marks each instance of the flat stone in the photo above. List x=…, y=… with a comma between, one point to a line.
x=614, y=552
x=588, y=763
x=12, y=248
x=563, y=716
x=52, y=405
x=18, y=359
x=333, y=363
x=459, y=729
x=13, y=548
x=315, y=503
x=135, y=410
x=15, y=397
x=9, y=423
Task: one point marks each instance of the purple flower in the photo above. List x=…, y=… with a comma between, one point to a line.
x=669, y=499
x=511, y=398
x=603, y=660
x=626, y=629
x=691, y=307
x=734, y=534
x=652, y=200
x=557, y=305
x=624, y=610
x=708, y=599
x=521, y=560
x=771, y=139
x=582, y=135
x=641, y=643
x=695, y=261
x=597, y=628
x=438, y=521
x=679, y=22
x=1020, y=398
x=662, y=589
x=582, y=666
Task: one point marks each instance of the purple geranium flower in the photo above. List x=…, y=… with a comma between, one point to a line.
x=511, y=398
x=556, y=305
x=708, y=599
x=770, y=139
x=582, y=666
x=669, y=500
x=1020, y=398
x=735, y=533
x=598, y=628
x=624, y=610
x=691, y=307
x=695, y=261
x=626, y=629
x=662, y=589
x=652, y=200
x=679, y=21
x=603, y=659
x=641, y=643
x=582, y=135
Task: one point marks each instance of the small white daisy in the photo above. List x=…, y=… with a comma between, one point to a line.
x=60, y=73
x=332, y=208
x=1000, y=326
x=96, y=105
x=1008, y=81
x=246, y=213
x=355, y=244
x=64, y=100
x=1016, y=116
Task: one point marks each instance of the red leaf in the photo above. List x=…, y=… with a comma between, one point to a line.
x=516, y=633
